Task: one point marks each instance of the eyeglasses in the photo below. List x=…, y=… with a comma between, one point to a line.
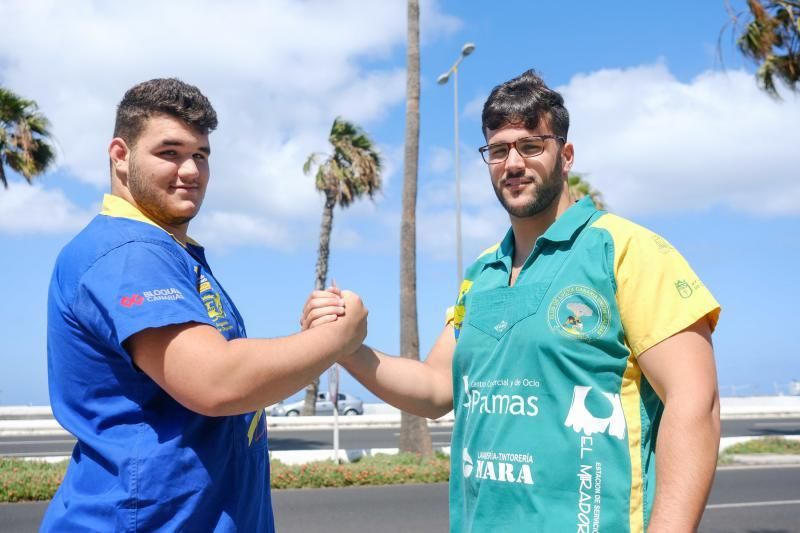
x=525, y=146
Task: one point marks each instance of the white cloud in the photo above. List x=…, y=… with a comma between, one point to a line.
x=441, y=159
x=483, y=220
x=221, y=230
x=277, y=74
x=474, y=107
x=651, y=143
x=33, y=210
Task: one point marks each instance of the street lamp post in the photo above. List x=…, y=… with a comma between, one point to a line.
x=466, y=50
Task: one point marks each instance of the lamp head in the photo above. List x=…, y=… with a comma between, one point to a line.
x=467, y=49
x=441, y=80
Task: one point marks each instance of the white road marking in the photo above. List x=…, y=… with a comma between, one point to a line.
x=752, y=504
x=757, y=467
x=13, y=443
x=397, y=434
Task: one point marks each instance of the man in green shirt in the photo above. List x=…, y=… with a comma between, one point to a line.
x=577, y=346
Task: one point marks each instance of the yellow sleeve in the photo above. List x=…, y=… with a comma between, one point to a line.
x=455, y=314
x=450, y=315
x=658, y=294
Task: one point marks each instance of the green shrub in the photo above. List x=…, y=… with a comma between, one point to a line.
x=35, y=480
x=377, y=470
x=29, y=480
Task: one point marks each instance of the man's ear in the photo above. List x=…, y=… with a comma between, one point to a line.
x=119, y=154
x=567, y=158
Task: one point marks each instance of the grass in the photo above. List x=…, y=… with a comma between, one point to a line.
x=34, y=480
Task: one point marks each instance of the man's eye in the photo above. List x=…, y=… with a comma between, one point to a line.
x=498, y=151
x=201, y=156
x=530, y=147
x=168, y=153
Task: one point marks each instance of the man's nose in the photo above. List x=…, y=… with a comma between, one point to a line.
x=514, y=161
x=189, y=169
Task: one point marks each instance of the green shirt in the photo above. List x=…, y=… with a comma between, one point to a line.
x=555, y=425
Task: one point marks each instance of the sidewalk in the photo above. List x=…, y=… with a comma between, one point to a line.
x=39, y=421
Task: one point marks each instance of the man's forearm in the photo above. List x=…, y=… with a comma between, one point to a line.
x=213, y=376
x=407, y=384
x=269, y=370
x=686, y=459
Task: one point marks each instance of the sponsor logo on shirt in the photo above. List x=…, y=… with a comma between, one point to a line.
x=581, y=419
x=686, y=289
x=590, y=470
x=499, y=466
x=130, y=301
x=468, y=466
x=157, y=295
x=662, y=245
x=494, y=402
x=590, y=483
x=579, y=312
x=213, y=304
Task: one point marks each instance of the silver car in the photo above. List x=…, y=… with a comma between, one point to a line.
x=348, y=405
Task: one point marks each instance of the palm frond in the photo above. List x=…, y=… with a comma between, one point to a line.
x=352, y=170
x=579, y=188
x=25, y=138
x=772, y=40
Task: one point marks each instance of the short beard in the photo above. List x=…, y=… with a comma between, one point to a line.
x=147, y=199
x=546, y=193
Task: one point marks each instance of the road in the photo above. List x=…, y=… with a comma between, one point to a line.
x=366, y=438
x=743, y=500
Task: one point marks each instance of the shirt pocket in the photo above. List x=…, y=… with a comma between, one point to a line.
x=495, y=312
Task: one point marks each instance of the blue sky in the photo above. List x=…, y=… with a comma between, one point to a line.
x=675, y=141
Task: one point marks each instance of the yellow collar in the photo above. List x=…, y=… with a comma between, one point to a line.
x=114, y=206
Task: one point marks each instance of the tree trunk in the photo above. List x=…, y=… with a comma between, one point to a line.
x=3, y=175
x=325, y=227
x=414, y=434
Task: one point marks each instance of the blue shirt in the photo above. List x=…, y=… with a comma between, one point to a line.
x=143, y=462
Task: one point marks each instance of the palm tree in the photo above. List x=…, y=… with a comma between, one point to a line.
x=579, y=187
x=352, y=170
x=414, y=434
x=772, y=39
x=24, y=138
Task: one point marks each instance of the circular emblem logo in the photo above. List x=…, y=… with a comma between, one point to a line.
x=579, y=312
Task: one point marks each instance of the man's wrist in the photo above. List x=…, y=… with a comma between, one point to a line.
x=351, y=359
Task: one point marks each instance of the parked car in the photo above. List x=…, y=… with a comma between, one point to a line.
x=348, y=405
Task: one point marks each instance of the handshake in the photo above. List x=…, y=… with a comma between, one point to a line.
x=339, y=309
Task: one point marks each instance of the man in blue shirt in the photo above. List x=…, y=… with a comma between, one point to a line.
x=148, y=362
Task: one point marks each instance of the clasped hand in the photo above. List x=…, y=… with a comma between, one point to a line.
x=342, y=307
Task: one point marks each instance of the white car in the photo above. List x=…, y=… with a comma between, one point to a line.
x=348, y=405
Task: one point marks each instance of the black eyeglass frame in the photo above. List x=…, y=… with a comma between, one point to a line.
x=513, y=144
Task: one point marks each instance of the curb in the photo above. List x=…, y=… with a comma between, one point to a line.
x=763, y=459
x=295, y=457
x=19, y=427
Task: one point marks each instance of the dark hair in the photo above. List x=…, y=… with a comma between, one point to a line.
x=525, y=100
x=168, y=96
